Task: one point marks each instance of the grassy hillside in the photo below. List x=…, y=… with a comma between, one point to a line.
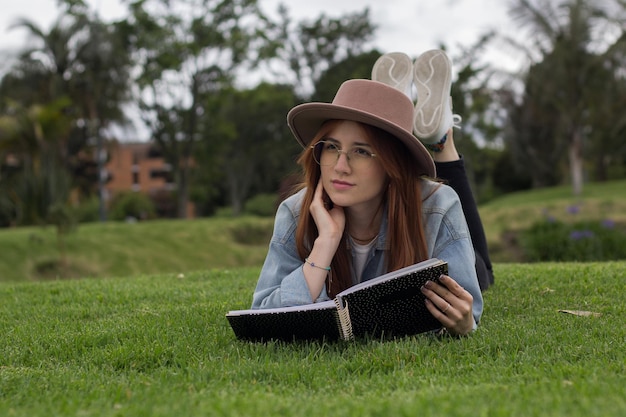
x=123, y=249
x=160, y=345
x=504, y=216
x=180, y=246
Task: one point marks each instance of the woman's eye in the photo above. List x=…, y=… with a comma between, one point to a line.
x=329, y=146
x=361, y=152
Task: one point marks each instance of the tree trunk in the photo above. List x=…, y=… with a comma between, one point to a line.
x=187, y=150
x=576, y=163
x=183, y=190
x=239, y=181
x=236, y=198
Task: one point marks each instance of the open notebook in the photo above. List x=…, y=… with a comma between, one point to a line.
x=391, y=305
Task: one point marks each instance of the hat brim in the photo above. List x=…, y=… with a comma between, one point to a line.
x=306, y=119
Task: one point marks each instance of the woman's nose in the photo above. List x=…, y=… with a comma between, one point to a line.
x=343, y=163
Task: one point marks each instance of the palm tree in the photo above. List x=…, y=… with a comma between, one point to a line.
x=568, y=38
x=30, y=134
x=85, y=60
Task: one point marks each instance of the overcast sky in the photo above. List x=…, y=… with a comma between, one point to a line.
x=411, y=26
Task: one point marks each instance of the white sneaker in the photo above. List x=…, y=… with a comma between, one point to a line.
x=396, y=70
x=432, y=76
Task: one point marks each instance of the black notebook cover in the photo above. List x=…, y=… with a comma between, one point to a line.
x=391, y=305
x=393, y=308
x=308, y=322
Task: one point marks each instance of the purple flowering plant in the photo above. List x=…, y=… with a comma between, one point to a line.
x=582, y=240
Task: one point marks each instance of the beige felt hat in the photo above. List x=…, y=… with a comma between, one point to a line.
x=369, y=102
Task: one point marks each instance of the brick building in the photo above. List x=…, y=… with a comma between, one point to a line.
x=140, y=167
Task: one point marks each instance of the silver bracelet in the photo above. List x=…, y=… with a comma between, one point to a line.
x=325, y=268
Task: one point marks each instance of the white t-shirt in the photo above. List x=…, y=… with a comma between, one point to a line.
x=360, y=258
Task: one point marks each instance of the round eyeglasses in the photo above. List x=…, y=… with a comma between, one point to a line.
x=327, y=153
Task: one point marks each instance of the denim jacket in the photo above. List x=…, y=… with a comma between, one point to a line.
x=282, y=282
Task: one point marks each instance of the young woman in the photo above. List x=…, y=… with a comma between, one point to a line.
x=367, y=207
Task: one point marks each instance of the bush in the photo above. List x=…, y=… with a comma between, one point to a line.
x=131, y=205
x=261, y=205
x=88, y=211
x=584, y=241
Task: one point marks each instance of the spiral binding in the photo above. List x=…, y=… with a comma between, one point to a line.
x=345, y=325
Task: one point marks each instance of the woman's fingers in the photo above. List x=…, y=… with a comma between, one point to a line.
x=330, y=219
x=450, y=303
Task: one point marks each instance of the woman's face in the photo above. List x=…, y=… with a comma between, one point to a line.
x=357, y=182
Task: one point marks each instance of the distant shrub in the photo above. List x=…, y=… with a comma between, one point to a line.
x=131, y=205
x=585, y=241
x=223, y=212
x=87, y=211
x=252, y=232
x=261, y=205
x=62, y=217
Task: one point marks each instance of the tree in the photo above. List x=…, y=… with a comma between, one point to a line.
x=476, y=101
x=606, y=145
x=81, y=59
x=39, y=181
x=531, y=134
x=185, y=52
x=569, y=37
x=256, y=148
x=353, y=66
x=311, y=47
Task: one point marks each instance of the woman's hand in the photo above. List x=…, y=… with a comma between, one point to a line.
x=330, y=222
x=330, y=219
x=451, y=304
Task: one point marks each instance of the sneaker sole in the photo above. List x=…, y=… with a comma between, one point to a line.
x=432, y=78
x=394, y=69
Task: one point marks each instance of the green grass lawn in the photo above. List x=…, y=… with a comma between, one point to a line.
x=159, y=345
x=140, y=330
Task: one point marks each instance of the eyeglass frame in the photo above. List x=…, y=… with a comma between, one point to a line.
x=339, y=151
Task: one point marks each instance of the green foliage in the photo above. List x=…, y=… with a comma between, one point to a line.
x=316, y=46
x=77, y=78
x=570, y=110
x=584, y=241
x=131, y=205
x=87, y=211
x=36, y=182
x=257, y=149
x=62, y=217
x=204, y=43
x=55, y=99
x=506, y=216
x=357, y=66
x=261, y=205
x=506, y=178
x=159, y=345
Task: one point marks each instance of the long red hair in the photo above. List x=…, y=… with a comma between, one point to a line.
x=406, y=241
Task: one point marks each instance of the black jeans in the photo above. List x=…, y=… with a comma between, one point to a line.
x=453, y=173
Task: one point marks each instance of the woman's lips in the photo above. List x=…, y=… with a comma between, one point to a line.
x=341, y=185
